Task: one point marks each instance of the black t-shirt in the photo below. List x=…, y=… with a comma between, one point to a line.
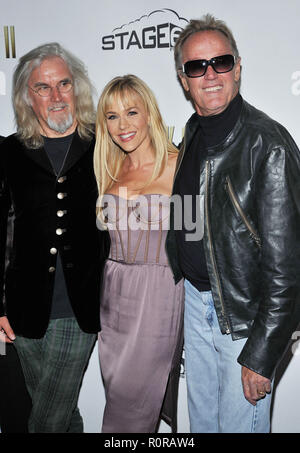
x=211, y=131
x=57, y=150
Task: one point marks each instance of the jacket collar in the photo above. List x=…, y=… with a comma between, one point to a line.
x=77, y=150
x=189, y=132
x=191, y=128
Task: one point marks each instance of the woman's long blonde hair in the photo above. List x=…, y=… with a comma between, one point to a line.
x=108, y=157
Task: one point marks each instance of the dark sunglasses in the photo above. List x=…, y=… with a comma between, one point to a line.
x=197, y=68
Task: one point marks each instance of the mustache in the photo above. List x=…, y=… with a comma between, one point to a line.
x=58, y=105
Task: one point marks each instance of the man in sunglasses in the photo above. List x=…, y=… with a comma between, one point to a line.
x=242, y=283
x=52, y=283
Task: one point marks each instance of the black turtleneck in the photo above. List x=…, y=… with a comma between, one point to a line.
x=212, y=131
x=216, y=128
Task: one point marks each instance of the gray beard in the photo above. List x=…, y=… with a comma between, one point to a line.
x=62, y=126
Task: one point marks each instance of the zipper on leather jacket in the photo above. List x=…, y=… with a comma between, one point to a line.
x=212, y=255
x=236, y=204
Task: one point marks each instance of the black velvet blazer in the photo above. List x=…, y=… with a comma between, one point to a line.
x=53, y=213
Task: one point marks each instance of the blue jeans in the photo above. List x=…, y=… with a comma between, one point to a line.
x=216, y=400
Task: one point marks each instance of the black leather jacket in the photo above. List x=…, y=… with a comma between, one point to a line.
x=251, y=184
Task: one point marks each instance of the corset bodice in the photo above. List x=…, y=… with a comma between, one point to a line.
x=137, y=228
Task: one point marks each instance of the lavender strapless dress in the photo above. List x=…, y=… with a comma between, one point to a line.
x=141, y=314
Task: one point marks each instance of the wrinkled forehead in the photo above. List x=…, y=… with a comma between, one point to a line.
x=206, y=44
x=50, y=66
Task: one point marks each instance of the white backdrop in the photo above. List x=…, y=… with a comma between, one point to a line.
x=115, y=38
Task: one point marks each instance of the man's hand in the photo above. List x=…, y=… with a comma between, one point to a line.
x=6, y=333
x=255, y=386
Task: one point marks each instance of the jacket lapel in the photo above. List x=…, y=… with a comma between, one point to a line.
x=76, y=151
x=39, y=156
x=190, y=130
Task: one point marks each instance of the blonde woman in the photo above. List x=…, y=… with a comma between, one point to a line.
x=141, y=307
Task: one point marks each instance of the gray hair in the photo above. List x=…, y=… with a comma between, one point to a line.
x=206, y=23
x=28, y=129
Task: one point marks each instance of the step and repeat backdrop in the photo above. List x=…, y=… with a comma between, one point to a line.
x=137, y=37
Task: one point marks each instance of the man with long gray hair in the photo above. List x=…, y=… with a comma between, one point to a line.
x=50, y=292
x=242, y=283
